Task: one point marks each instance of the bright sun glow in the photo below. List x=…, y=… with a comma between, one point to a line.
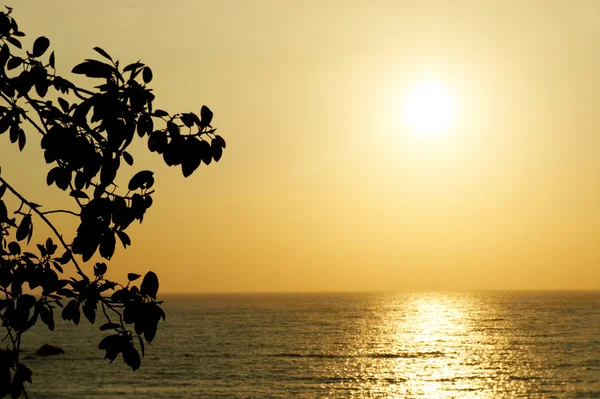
x=429, y=108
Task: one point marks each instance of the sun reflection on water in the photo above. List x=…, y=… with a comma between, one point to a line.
x=441, y=346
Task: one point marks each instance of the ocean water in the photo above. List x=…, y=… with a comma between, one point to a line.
x=414, y=345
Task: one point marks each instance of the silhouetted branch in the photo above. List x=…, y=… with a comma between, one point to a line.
x=48, y=222
x=60, y=211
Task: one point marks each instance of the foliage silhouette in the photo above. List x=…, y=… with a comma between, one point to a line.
x=86, y=134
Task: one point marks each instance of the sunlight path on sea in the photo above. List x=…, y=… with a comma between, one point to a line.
x=437, y=346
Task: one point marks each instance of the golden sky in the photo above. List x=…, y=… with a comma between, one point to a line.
x=322, y=186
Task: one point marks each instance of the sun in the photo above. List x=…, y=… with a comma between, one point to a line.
x=429, y=109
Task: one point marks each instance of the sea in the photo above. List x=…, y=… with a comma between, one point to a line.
x=340, y=345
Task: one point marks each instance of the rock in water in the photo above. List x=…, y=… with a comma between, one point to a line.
x=49, y=350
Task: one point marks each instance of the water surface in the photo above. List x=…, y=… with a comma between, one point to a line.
x=417, y=345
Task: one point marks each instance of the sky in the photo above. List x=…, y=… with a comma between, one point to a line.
x=323, y=185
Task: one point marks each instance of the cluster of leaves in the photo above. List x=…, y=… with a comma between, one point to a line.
x=86, y=135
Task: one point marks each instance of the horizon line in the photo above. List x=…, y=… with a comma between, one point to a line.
x=547, y=290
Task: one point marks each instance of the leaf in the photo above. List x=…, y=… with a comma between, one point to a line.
x=2, y=190
x=205, y=152
x=14, y=42
x=94, y=69
x=109, y=326
x=14, y=62
x=132, y=358
x=133, y=66
x=160, y=113
x=113, y=344
x=24, y=227
x=99, y=269
x=187, y=119
x=51, y=60
x=221, y=141
x=107, y=245
x=192, y=158
x=63, y=104
x=133, y=276
x=150, y=331
x=128, y=158
x=125, y=240
x=206, y=115
x=216, y=149
x=149, y=285
x=79, y=194
x=71, y=312
x=14, y=133
x=102, y=53
x=89, y=312
x=40, y=46
x=14, y=248
x=47, y=317
x=22, y=139
x=147, y=75
x=144, y=178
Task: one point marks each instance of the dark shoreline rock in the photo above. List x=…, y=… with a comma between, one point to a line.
x=49, y=350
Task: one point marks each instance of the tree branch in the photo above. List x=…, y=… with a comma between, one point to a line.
x=48, y=222
x=60, y=211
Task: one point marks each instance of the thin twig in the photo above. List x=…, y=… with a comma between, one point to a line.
x=61, y=211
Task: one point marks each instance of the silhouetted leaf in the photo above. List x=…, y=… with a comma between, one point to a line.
x=71, y=312
x=157, y=142
x=216, y=149
x=103, y=53
x=14, y=133
x=14, y=42
x=63, y=104
x=24, y=227
x=99, y=269
x=51, y=60
x=192, y=156
x=22, y=139
x=187, y=119
x=89, y=312
x=94, y=69
x=133, y=276
x=132, y=67
x=132, y=358
x=221, y=141
x=206, y=116
x=14, y=248
x=160, y=113
x=79, y=194
x=142, y=179
x=128, y=158
x=147, y=75
x=14, y=62
x=149, y=285
x=125, y=240
x=205, y=152
x=23, y=374
x=107, y=245
x=40, y=46
x=47, y=317
x=113, y=344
